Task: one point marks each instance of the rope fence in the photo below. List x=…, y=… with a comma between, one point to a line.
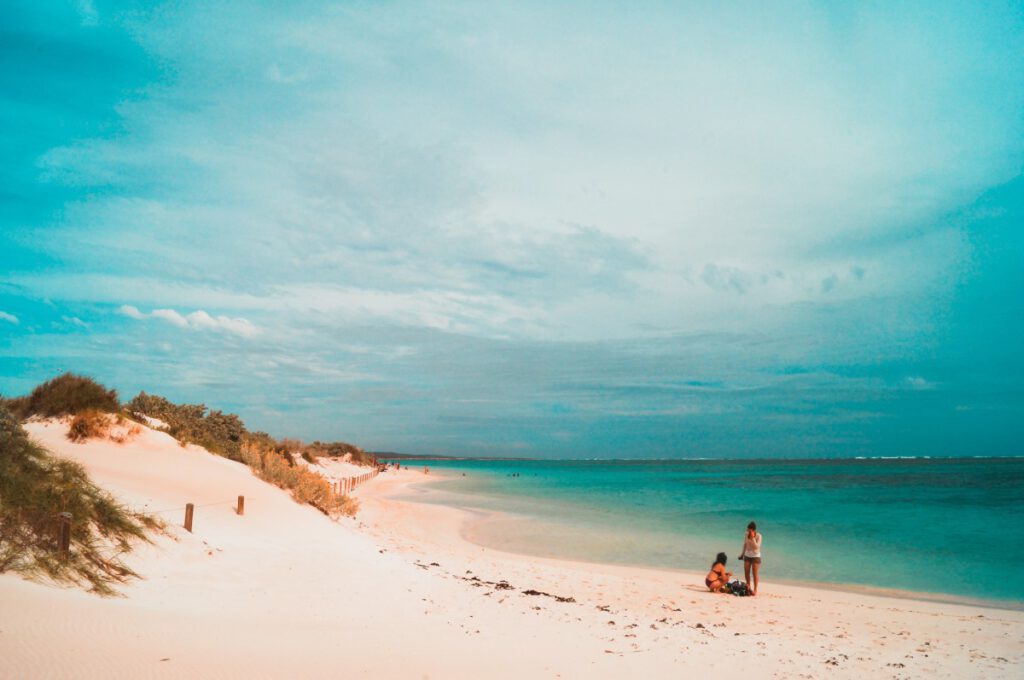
x=177, y=508
x=341, y=487
x=190, y=509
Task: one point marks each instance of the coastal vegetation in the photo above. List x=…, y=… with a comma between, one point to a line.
x=34, y=488
x=216, y=431
x=95, y=412
x=271, y=460
x=306, y=486
x=339, y=450
x=67, y=394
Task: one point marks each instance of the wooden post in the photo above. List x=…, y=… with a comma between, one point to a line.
x=65, y=535
x=241, y=505
x=189, y=508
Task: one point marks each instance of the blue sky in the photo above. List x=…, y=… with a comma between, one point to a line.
x=541, y=229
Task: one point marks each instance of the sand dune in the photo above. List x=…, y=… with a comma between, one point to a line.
x=284, y=591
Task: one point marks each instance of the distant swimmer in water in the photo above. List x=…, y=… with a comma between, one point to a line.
x=718, y=576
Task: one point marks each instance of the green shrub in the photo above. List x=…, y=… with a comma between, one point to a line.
x=218, y=432
x=67, y=394
x=34, y=488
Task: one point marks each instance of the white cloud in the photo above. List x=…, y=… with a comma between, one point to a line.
x=130, y=311
x=238, y=326
x=170, y=316
x=4, y=316
x=200, y=319
x=197, y=320
x=74, y=321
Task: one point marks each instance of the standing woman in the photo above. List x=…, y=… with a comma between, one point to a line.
x=751, y=556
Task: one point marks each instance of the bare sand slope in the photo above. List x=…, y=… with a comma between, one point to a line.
x=285, y=592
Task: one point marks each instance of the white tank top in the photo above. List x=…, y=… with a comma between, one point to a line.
x=752, y=546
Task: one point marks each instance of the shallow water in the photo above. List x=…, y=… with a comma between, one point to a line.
x=941, y=526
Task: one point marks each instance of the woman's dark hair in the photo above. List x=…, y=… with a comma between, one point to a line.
x=721, y=559
x=752, y=525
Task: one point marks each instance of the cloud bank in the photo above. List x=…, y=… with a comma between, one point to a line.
x=561, y=229
x=197, y=320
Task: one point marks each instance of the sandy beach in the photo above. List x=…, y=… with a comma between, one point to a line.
x=397, y=592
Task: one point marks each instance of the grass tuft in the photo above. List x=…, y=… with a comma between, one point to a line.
x=275, y=465
x=95, y=425
x=89, y=425
x=35, y=487
x=67, y=394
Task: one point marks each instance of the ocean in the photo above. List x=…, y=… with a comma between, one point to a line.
x=936, y=526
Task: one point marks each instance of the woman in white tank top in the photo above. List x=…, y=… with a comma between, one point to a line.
x=751, y=556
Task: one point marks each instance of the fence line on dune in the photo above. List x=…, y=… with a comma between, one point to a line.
x=191, y=507
x=347, y=485
x=65, y=520
x=341, y=487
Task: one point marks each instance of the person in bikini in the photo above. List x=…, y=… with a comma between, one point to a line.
x=718, y=576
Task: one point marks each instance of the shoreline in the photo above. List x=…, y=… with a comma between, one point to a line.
x=397, y=592
x=476, y=517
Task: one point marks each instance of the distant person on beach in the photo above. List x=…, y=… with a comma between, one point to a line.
x=751, y=556
x=718, y=576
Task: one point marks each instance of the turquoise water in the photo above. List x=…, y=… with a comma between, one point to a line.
x=942, y=526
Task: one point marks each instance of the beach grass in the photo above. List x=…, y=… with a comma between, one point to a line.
x=35, y=487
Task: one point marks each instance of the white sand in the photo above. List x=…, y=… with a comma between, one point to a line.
x=285, y=592
x=333, y=469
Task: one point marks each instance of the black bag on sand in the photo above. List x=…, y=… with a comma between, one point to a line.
x=739, y=589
